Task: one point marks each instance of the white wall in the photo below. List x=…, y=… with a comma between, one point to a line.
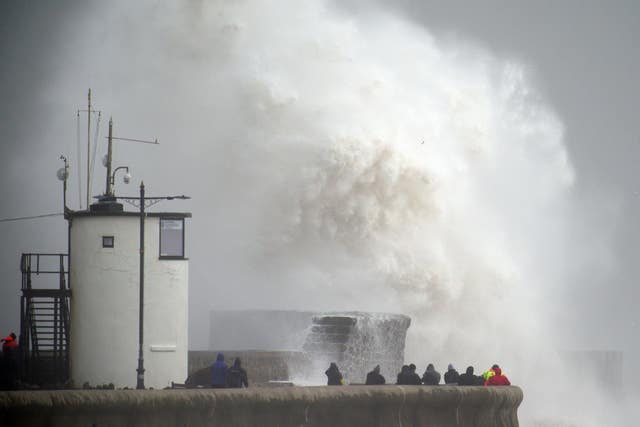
x=104, y=305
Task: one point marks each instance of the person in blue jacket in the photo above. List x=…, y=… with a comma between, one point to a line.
x=219, y=372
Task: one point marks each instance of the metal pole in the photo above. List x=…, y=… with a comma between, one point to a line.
x=108, y=192
x=23, y=334
x=88, y=147
x=64, y=184
x=140, y=370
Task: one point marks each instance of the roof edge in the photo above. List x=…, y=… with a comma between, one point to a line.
x=83, y=214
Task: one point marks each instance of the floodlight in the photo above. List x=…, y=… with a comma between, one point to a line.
x=62, y=174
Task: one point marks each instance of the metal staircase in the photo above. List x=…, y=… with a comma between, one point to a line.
x=44, y=319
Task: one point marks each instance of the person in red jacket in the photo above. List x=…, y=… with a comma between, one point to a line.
x=9, y=342
x=9, y=363
x=498, y=378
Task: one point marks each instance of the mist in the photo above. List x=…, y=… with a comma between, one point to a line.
x=340, y=161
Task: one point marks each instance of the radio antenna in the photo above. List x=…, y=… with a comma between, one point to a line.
x=89, y=110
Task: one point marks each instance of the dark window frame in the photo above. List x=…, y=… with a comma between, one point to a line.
x=105, y=240
x=178, y=257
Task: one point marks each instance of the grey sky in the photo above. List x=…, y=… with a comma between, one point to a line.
x=584, y=58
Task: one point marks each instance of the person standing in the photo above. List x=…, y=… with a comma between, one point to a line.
x=431, y=376
x=334, y=376
x=374, y=377
x=10, y=366
x=488, y=374
x=219, y=371
x=402, y=375
x=412, y=377
x=451, y=376
x=237, y=376
x=468, y=378
x=498, y=378
x=8, y=343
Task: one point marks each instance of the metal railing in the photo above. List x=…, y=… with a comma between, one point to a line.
x=44, y=319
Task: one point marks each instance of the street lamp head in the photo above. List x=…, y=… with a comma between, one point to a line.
x=126, y=178
x=63, y=174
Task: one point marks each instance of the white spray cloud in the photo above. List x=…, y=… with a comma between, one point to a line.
x=349, y=163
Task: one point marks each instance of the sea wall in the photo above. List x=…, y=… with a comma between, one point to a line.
x=349, y=406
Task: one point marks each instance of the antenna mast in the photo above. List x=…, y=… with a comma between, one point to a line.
x=88, y=147
x=109, y=160
x=109, y=150
x=89, y=111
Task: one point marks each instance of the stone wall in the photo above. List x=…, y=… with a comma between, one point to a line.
x=352, y=406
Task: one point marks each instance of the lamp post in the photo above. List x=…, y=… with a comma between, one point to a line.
x=141, y=202
x=140, y=370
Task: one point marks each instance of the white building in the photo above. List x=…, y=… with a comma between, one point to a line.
x=105, y=277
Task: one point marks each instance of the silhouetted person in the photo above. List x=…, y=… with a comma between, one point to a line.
x=451, y=376
x=334, y=376
x=498, y=378
x=9, y=342
x=412, y=377
x=468, y=378
x=402, y=375
x=237, y=376
x=374, y=377
x=431, y=376
x=219, y=372
x=9, y=365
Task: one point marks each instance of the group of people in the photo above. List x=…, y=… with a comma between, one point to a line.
x=408, y=376
x=223, y=376
x=431, y=376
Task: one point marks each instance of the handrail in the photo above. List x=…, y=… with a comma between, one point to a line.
x=28, y=259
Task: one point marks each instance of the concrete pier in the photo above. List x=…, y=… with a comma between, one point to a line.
x=348, y=406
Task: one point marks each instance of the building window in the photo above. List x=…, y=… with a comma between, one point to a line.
x=107, y=241
x=172, y=238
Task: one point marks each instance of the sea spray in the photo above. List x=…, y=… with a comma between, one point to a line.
x=352, y=163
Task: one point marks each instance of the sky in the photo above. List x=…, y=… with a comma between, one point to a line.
x=582, y=57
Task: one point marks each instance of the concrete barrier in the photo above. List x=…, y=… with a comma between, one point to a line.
x=349, y=406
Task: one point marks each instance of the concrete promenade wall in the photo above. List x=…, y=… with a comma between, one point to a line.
x=347, y=406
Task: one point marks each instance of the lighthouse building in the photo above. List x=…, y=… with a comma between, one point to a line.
x=113, y=309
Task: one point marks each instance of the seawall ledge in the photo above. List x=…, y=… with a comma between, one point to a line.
x=352, y=406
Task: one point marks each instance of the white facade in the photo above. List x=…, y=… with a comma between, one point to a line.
x=105, y=303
